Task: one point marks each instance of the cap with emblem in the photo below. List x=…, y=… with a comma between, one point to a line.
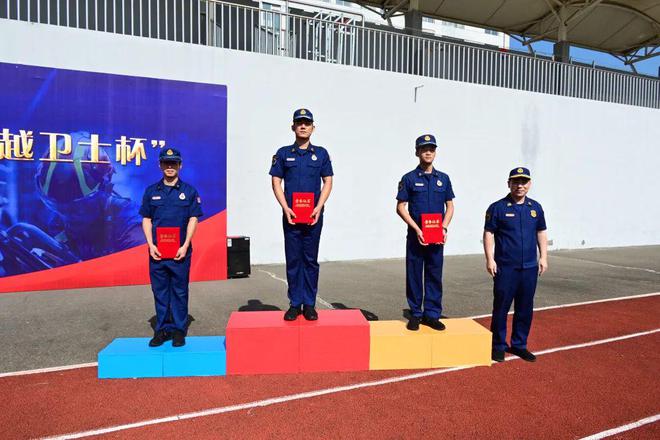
x=303, y=113
x=425, y=139
x=520, y=172
x=169, y=154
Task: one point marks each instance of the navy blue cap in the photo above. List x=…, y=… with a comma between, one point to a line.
x=303, y=113
x=520, y=172
x=425, y=139
x=169, y=154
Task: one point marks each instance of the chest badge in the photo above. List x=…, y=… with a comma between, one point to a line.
x=533, y=213
x=439, y=183
x=182, y=196
x=314, y=157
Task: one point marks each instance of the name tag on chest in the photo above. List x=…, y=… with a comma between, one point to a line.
x=510, y=214
x=419, y=184
x=155, y=198
x=290, y=159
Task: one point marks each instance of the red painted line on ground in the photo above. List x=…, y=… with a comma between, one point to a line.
x=74, y=400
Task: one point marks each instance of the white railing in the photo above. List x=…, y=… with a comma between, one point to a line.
x=335, y=38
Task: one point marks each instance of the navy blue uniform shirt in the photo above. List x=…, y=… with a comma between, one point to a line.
x=301, y=170
x=426, y=193
x=170, y=206
x=515, y=227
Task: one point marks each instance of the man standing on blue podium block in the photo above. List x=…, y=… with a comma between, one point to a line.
x=302, y=167
x=515, y=228
x=170, y=203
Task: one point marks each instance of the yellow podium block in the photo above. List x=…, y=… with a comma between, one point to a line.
x=393, y=347
x=463, y=342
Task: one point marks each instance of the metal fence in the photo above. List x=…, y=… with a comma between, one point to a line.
x=335, y=38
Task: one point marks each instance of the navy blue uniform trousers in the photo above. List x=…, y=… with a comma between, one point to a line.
x=301, y=248
x=424, y=278
x=517, y=286
x=169, y=283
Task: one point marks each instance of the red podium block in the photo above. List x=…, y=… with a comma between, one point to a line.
x=262, y=343
x=338, y=341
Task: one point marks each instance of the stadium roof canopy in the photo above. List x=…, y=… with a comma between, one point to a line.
x=628, y=29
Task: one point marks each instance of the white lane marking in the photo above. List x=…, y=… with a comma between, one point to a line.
x=93, y=364
x=623, y=428
x=584, y=303
x=643, y=269
x=318, y=298
x=48, y=370
x=310, y=394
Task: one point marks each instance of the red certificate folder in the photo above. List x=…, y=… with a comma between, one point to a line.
x=432, y=228
x=303, y=205
x=167, y=241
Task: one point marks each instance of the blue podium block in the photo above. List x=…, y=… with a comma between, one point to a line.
x=130, y=357
x=133, y=358
x=201, y=356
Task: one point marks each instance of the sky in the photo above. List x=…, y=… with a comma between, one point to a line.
x=648, y=67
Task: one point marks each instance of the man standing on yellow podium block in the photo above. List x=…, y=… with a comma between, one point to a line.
x=515, y=228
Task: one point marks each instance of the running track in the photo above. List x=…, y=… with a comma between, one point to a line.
x=597, y=370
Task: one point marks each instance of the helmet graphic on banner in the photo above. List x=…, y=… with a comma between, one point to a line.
x=66, y=184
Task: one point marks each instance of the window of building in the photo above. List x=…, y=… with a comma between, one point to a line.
x=492, y=32
x=428, y=20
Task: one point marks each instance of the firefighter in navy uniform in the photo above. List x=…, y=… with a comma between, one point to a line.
x=424, y=190
x=514, y=229
x=170, y=202
x=302, y=167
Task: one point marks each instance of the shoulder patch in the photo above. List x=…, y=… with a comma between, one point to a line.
x=487, y=215
x=274, y=159
x=400, y=185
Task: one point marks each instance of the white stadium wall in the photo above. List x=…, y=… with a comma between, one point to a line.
x=595, y=165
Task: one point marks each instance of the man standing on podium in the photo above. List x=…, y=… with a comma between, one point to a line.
x=302, y=167
x=514, y=229
x=170, y=203
x=426, y=191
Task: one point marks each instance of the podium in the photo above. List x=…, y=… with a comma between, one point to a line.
x=133, y=358
x=263, y=343
x=463, y=342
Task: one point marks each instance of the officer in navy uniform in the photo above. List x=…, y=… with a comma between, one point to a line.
x=426, y=191
x=302, y=166
x=514, y=229
x=170, y=202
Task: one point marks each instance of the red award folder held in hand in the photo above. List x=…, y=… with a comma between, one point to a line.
x=167, y=241
x=302, y=206
x=432, y=229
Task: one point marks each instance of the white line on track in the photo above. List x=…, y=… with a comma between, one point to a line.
x=94, y=364
x=322, y=392
x=643, y=269
x=624, y=428
x=318, y=298
x=48, y=370
x=584, y=303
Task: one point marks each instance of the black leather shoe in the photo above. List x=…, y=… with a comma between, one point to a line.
x=159, y=338
x=435, y=324
x=292, y=313
x=523, y=354
x=413, y=323
x=309, y=312
x=497, y=355
x=178, y=339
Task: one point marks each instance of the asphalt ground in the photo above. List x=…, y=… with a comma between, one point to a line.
x=55, y=328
